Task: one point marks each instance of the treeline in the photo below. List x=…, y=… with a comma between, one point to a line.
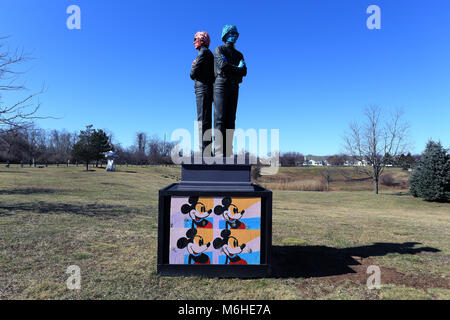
x=295, y=159
x=33, y=146
x=405, y=161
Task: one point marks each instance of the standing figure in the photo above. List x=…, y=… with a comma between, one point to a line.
x=229, y=69
x=202, y=72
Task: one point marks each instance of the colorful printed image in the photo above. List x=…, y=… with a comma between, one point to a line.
x=215, y=230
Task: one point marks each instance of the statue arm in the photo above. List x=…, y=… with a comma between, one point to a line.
x=196, y=66
x=229, y=68
x=242, y=72
x=220, y=60
x=242, y=68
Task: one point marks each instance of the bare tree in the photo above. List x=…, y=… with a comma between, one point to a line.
x=326, y=174
x=291, y=159
x=159, y=151
x=140, y=148
x=141, y=141
x=21, y=113
x=337, y=159
x=37, y=144
x=13, y=144
x=376, y=141
x=59, y=146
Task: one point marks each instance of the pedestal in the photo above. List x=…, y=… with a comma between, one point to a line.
x=215, y=223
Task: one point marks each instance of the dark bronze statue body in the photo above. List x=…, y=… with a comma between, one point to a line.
x=229, y=69
x=215, y=222
x=217, y=77
x=202, y=72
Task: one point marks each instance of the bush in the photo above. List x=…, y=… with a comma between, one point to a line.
x=388, y=180
x=430, y=179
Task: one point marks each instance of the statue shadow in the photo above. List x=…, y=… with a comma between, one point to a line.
x=322, y=261
x=91, y=210
x=11, y=171
x=28, y=191
x=399, y=194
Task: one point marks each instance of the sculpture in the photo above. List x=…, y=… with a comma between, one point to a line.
x=215, y=221
x=110, y=157
x=202, y=72
x=229, y=69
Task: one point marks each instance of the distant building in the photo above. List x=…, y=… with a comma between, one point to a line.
x=358, y=163
x=362, y=163
x=315, y=162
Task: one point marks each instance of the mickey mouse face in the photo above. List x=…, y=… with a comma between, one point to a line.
x=195, y=209
x=197, y=246
x=199, y=211
x=194, y=243
x=229, y=210
x=229, y=244
x=232, y=247
x=233, y=213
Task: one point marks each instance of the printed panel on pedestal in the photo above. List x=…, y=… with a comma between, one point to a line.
x=215, y=230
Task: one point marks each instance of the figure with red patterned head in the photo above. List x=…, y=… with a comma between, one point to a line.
x=202, y=72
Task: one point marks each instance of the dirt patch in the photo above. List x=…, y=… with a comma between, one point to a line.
x=323, y=268
x=388, y=276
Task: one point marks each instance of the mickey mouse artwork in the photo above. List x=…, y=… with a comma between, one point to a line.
x=230, y=246
x=234, y=230
x=230, y=213
x=195, y=246
x=197, y=212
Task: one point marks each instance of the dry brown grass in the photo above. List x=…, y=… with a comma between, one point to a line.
x=297, y=185
x=342, y=179
x=106, y=223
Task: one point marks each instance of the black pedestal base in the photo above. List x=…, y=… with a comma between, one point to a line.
x=216, y=182
x=215, y=271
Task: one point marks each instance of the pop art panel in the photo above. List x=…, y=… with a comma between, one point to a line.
x=215, y=230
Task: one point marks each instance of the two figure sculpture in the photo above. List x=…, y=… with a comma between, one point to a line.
x=217, y=77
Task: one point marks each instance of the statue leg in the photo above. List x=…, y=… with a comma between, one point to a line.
x=220, y=104
x=204, y=98
x=207, y=114
x=230, y=118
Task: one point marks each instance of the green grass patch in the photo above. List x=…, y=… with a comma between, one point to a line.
x=294, y=242
x=81, y=255
x=393, y=292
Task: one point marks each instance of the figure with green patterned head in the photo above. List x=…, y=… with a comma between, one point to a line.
x=229, y=69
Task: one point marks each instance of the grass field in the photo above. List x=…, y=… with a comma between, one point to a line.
x=323, y=242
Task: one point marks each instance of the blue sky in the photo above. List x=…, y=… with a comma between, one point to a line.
x=313, y=66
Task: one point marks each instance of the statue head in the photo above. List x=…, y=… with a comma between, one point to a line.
x=201, y=39
x=230, y=33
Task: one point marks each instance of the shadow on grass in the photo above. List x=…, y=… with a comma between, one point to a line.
x=92, y=210
x=5, y=214
x=8, y=171
x=322, y=261
x=27, y=191
x=399, y=194
x=113, y=184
